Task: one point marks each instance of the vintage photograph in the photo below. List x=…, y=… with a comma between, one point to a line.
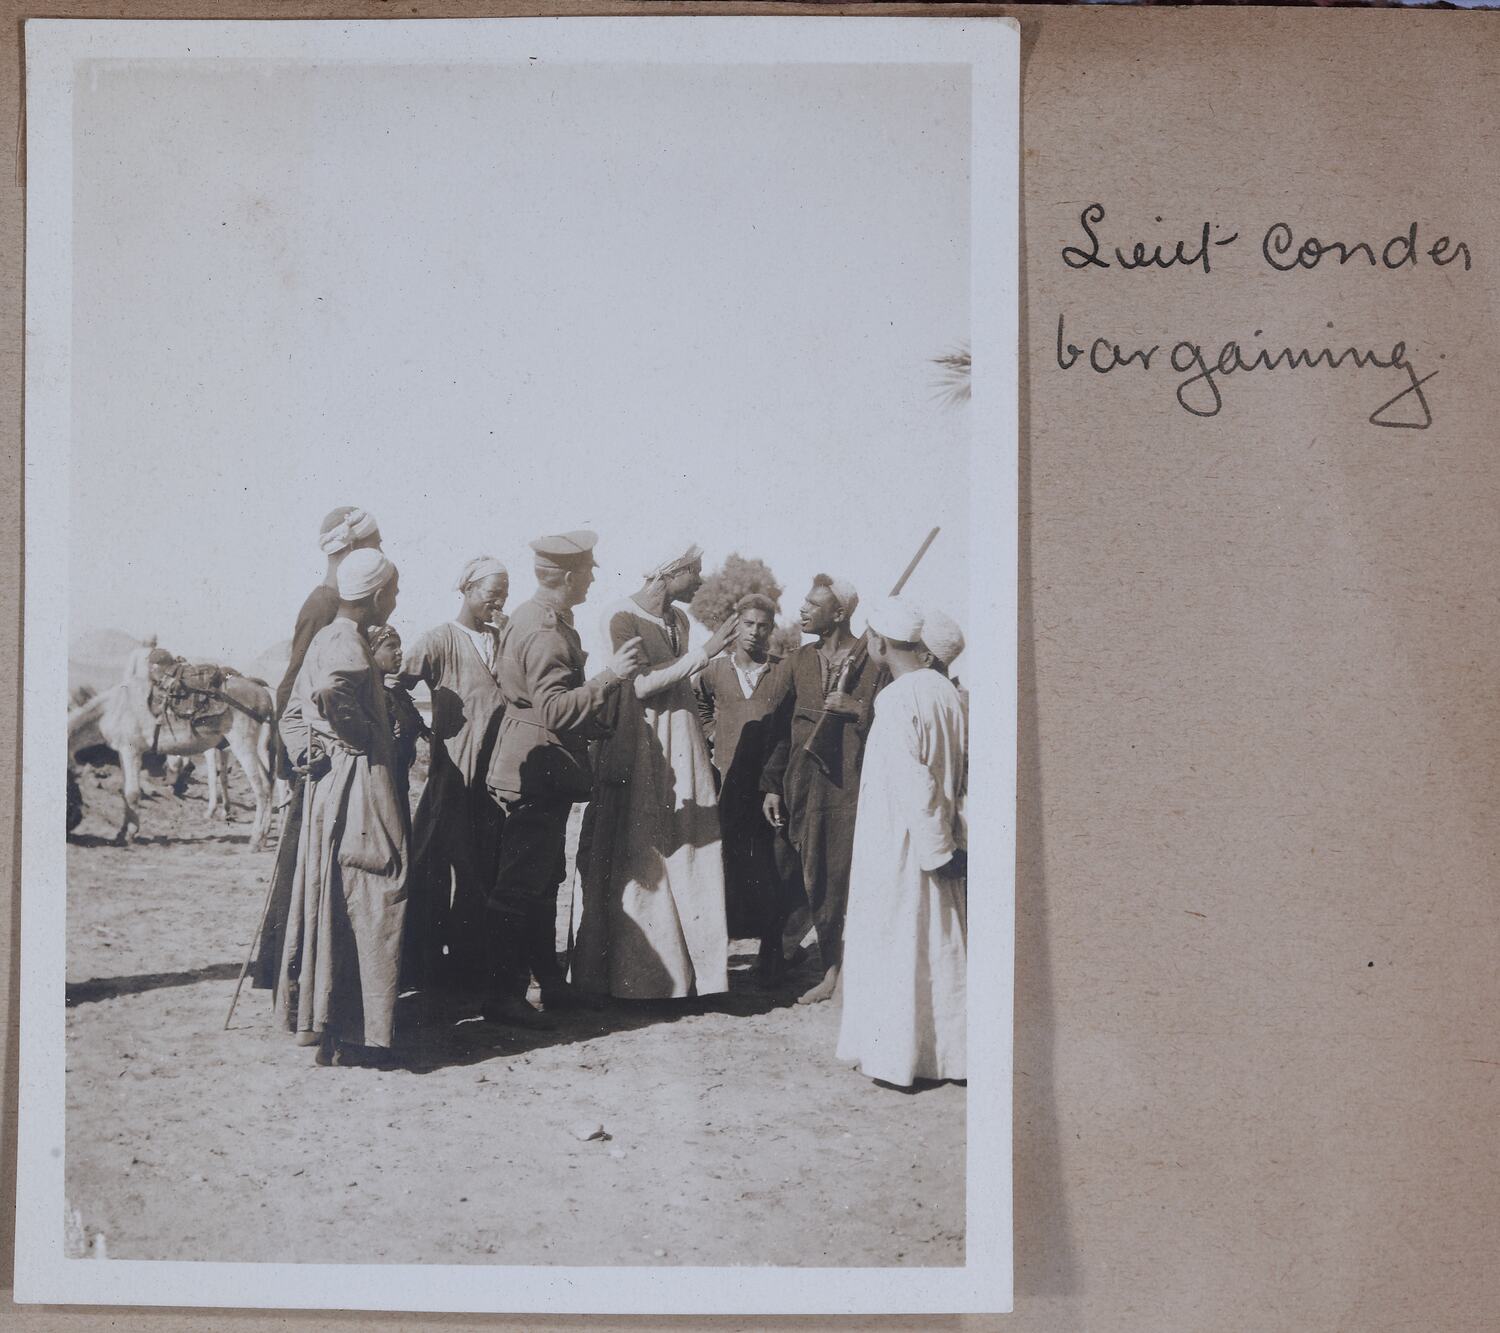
x=521, y=542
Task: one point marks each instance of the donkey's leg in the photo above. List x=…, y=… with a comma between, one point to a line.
x=218, y=795
x=243, y=741
x=130, y=792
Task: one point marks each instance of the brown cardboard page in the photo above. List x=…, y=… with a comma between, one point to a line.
x=1256, y=979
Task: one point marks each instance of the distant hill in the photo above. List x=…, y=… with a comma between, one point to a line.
x=104, y=645
x=96, y=659
x=271, y=664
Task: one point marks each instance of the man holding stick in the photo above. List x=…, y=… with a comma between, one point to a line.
x=814, y=801
x=825, y=702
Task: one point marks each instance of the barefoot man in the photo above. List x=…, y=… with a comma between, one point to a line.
x=456, y=830
x=816, y=808
x=906, y=942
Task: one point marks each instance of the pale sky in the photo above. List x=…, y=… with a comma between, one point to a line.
x=669, y=303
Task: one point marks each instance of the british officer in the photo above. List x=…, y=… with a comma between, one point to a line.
x=539, y=769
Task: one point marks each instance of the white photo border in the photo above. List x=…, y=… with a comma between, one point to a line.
x=991, y=48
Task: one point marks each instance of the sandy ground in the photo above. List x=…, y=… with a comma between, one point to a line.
x=734, y=1135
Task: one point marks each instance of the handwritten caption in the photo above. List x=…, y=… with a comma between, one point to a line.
x=1203, y=368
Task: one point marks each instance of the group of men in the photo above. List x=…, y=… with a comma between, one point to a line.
x=725, y=789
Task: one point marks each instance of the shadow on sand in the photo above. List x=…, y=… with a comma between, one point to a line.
x=156, y=840
x=108, y=988
x=435, y=1032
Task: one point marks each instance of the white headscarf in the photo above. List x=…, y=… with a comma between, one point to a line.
x=691, y=556
x=356, y=525
x=477, y=570
x=363, y=572
x=943, y=638
x=895, y=618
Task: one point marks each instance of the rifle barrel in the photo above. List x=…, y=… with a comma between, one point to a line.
x=915, y=561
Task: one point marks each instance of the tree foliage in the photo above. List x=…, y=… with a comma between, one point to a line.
x=724, y=587
x=785, y=637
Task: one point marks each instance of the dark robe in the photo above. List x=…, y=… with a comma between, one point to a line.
x=820, y=807
x=407, y=728
x=341, y=955
x=739, y=729
x=457, y=826
x=318, y=611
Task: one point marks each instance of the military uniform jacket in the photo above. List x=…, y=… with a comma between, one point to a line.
x=551, y=710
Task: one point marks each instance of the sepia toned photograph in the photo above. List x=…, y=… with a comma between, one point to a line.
x=521, y=541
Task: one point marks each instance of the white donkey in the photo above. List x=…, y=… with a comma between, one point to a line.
x=121, y=718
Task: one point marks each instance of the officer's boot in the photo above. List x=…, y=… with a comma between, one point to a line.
x=558, y=995
x=509, y=973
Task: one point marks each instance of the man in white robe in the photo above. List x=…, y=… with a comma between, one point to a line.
x=651, y=921
x=906, y=933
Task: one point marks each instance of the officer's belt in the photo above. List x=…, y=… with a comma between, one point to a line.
x=526, y=721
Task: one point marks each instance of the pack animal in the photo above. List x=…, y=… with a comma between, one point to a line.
x=170, y=707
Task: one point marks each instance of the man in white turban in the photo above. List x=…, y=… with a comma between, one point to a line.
x=457, y=826
x=343, y=530
x=347, y=529
x=337, y=983
x=906, y=935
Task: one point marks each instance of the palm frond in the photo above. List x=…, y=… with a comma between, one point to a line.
x=953, y=383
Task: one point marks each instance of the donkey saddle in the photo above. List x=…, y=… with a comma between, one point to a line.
x=183, y=692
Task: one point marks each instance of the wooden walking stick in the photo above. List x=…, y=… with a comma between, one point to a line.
x=266, y=906
x=822, y=745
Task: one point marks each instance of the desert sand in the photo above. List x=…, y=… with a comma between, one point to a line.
x=732, y=1135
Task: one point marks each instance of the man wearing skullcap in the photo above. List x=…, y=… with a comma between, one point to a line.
x=906, y=937
x=944, y=641
x=652, y=870
x=942, y=637
x=343, y=530
x=539, y=768
x=456, y=830
x=337, y=983
x=813, y=805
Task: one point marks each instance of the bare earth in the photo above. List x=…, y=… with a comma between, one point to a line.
x=735, y=1137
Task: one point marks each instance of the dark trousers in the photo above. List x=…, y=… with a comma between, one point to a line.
x=815, y=866
x=455, y=849
x=521, y=909
x=757, y=901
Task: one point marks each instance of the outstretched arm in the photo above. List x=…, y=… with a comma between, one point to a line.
x=557, y=705
x=420, y=664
